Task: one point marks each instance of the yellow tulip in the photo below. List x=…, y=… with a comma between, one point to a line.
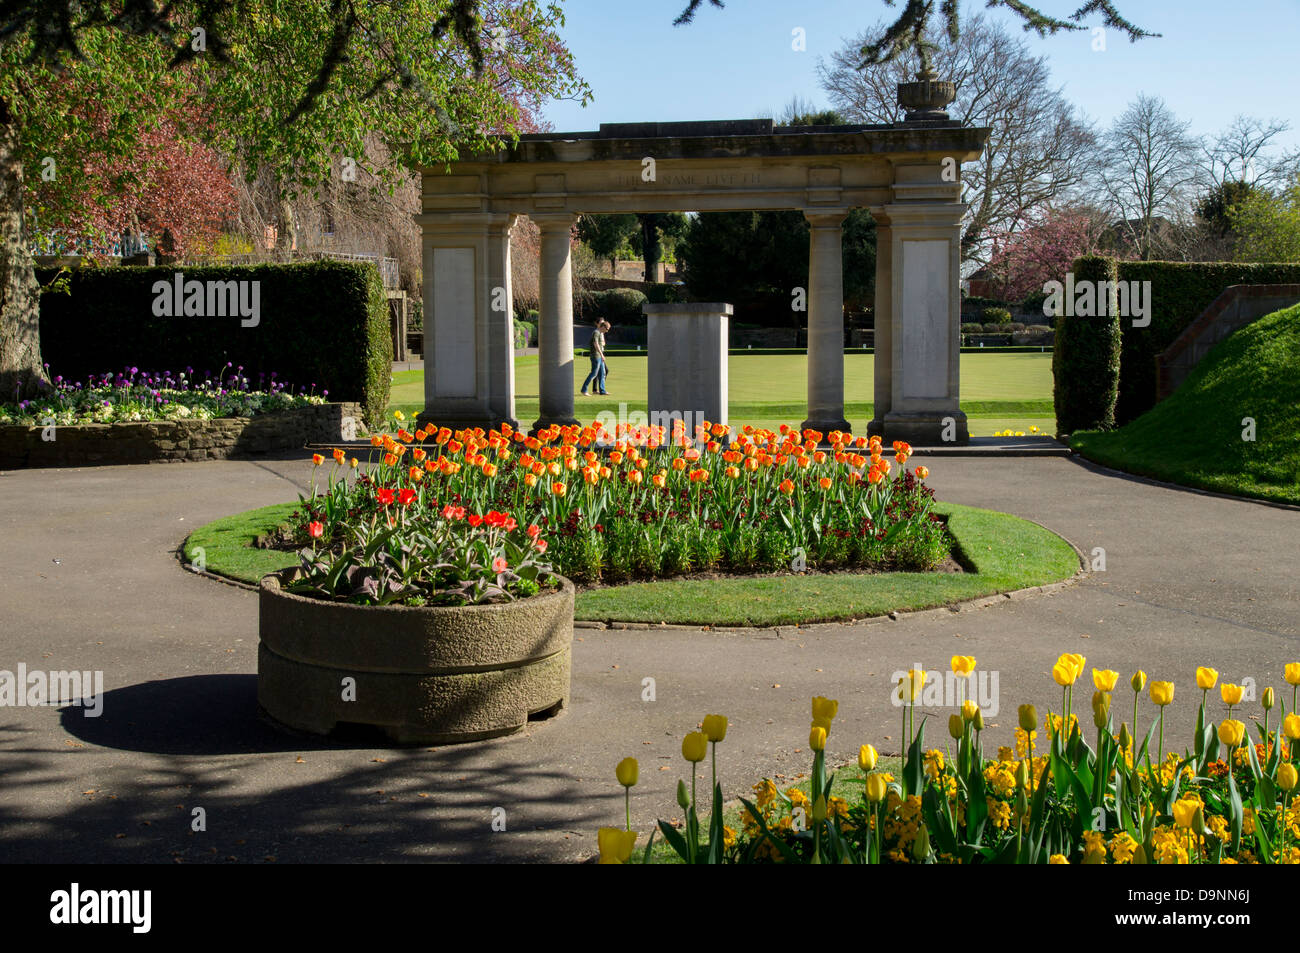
x=819, y=809
x=1286, y=777
x=1268, y=699
x=1292, y=673
x=1206, y=678
x=1028, y=717
x=825, y=708
x=910, y=685
x=1291, y=726
x=715, y=727
x=867, y=757
x=1101, y=709
x=969, y=710
x=1185, y=812
x=627, y=772
x=963, y=664
x=1064, y=673
x=1162, y=693
x=1104, y=680
x=877, y=787
x=1057, y=859
x=1231, y=732
x=1231, y=694
x=817, y=738
x=1139, y=680
x=694, y=746
x=615, y=845
x=824, y=724
x=956, y=728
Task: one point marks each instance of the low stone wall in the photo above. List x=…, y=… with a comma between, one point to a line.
x=177, y=441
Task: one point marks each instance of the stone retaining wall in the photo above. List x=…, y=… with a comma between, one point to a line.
x=177, y=441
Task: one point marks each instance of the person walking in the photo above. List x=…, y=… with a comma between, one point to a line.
x=598, y=369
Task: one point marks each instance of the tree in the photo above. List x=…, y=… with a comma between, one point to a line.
x=1149, y=168
x=606, y=234
x=1039, y=152
x=1245, y=152
x=295, y=88
x=1041, y=251
x=1268, y=226
x=911, y=31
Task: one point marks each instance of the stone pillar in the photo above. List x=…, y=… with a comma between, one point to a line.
x=468, y=320
x=883, y=358
x=924, y=326
x=686, y=358
x=555, y=321
x=825, y=322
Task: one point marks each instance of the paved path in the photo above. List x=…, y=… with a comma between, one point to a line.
x=91, y=581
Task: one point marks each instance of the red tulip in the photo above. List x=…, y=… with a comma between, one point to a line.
x=316, y=530
x=499, y=565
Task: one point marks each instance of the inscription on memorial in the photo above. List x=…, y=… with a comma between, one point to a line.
x=694, y=179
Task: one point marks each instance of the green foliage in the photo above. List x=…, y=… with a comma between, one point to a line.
x=1267, y=227
x=525, y=334
x=621, y=305
x=1086, y=358
x=1194, y=437
x=1180, y=292
x=996, y=316
x=323, y=325
x=606, y=235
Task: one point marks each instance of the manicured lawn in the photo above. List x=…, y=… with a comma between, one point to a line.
x=999, y=391
x=1006, y=552
x=1194, y=437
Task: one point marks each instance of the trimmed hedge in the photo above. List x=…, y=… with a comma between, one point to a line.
x=1086, y=358
x=322, y=325
x=1180, y=292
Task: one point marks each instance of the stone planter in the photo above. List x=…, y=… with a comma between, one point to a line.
x=433, y=675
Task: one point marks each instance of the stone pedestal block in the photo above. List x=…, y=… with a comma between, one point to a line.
x=687, y=363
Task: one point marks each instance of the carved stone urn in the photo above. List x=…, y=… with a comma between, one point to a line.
x=926, y=98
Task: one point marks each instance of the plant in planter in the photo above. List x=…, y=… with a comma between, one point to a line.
x=432, y=623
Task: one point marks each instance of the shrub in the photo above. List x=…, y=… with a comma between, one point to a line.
x=972, y=328
x=1013, y=326
x=996, y=316
x=621, y=305
x=664, y=293
x=322, y=324
x=525, y=334
x=1086, y=359
x=994, y=328
x=1180, y=292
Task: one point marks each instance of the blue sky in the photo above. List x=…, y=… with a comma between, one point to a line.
x=738, y=63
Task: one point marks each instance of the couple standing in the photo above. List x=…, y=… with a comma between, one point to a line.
x=599, y=369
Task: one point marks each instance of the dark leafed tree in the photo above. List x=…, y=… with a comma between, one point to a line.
x=912, y=30
x=606, y=234
x=291, y=88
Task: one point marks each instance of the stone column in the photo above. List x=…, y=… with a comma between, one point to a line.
x=555, y=331
x=925, y=315
x=468, y=320
x=686, y=364
x=882, y=339
x=825, y=322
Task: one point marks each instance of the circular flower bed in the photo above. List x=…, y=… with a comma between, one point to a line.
x=133, y=395
x=640, y=503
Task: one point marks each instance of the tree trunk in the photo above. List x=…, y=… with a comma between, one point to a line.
x=20, y=295
x=650, y=243
x=286, y=233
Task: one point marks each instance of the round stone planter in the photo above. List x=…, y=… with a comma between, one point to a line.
x=422, y=675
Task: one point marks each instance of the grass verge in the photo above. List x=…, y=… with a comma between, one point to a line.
x=1006, y=553
x=1198, y=436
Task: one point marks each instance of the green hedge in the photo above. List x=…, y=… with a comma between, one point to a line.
x=1180, y=292
x=322, y=325
x=1086, y=358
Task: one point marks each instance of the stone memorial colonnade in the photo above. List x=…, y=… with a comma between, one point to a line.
x=906, y=174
